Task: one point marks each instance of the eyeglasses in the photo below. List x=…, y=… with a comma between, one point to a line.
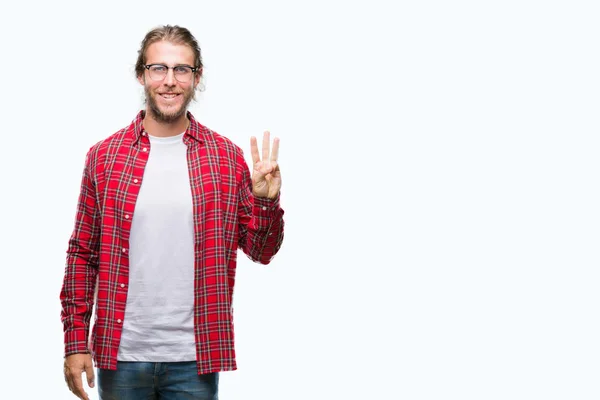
x=183, y=73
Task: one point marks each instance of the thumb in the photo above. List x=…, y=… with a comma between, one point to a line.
x=274, y=167
x=89, y=373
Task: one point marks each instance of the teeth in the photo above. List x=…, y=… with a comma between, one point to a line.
x=168, y=96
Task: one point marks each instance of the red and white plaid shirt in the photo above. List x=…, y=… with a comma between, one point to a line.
x=226, y=216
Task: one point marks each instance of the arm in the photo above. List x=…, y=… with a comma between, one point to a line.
x=81, y=269
x=260, y=222
x=260, y=216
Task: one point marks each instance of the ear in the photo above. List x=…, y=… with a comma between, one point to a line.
x=141, y=79
x=197, y=77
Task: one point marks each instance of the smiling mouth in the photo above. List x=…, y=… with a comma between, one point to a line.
x=168, y=96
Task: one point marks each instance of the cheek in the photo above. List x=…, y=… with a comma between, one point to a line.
x=152, y=87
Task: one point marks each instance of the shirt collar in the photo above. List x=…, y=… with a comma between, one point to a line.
x=195, y=130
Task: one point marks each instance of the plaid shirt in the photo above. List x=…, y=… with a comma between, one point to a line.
x=226, y=216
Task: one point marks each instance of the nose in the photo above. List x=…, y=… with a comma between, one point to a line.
x=170, y=78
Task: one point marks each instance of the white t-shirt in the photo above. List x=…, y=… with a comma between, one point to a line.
x=159, y=315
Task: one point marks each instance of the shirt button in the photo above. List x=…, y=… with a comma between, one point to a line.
x=264, y=208
x=124, y=250
x=126, y=216
x=122, y=285
x=144, y=149
x=135, y=181
x=119, y=321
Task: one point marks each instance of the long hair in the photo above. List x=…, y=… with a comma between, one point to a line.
x=173, y=34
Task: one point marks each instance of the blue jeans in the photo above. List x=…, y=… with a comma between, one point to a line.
x=157, y=381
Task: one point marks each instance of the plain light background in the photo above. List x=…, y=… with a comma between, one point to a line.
x=440, y=182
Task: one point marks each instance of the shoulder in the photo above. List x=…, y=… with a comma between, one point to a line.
x=99, y=150
x=224, y=145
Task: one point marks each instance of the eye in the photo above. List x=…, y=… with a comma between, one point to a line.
x=158, y=68
x=181, y=69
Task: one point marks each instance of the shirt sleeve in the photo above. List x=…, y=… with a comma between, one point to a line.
x=260, y=222
x=81, y=268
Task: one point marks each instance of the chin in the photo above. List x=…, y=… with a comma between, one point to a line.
x=165, y=112
x=171, y=117
x=168, y=114
x=171, y=112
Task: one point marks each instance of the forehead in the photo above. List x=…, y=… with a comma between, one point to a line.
x=164, y=52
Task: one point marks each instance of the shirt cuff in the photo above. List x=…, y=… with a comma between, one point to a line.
x=265, y=207
x=76, y=341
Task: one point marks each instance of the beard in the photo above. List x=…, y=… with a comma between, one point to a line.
x=172, y=113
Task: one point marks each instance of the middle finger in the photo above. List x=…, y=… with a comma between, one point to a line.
x=265, y=146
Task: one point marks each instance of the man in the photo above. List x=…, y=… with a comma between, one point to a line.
x=164, y=205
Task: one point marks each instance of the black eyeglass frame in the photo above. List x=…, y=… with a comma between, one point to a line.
x=148, y=66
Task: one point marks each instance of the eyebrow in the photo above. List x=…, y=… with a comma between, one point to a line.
x=163, y=63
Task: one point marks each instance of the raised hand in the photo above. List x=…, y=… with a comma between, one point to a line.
x=266, y=178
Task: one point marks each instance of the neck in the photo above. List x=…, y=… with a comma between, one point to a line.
x=164, y=129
